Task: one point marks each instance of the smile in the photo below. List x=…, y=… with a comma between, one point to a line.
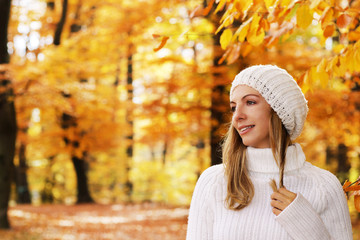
x=244, y=129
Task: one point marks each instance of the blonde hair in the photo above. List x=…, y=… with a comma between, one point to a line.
x=240, y=189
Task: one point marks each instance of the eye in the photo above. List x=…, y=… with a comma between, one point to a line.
x=250, y=102
x=233, y=108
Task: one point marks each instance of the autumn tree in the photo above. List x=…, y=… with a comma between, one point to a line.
x=64, y=101
x=69, y=121
x=84, y=80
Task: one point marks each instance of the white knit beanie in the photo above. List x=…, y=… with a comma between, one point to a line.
x=281, y=92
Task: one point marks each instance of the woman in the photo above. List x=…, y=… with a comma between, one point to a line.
x=234, y=200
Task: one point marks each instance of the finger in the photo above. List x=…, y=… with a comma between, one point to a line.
x=277, y=204
x=288, y=194
x=279, y=197
x=283, y=194
x=276, y=211
x=276, y=195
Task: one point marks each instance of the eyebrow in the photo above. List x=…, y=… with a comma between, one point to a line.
x=248, y=95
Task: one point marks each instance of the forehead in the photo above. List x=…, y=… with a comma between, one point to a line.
x=242, y=90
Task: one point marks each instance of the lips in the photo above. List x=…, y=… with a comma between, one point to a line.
x=245, y=129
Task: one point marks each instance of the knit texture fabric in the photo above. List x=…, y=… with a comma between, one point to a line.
x=281, y=92
x=319, y=212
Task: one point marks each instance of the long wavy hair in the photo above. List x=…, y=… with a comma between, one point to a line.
x=240, y=189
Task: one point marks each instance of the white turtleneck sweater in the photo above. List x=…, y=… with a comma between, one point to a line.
x=318, y=212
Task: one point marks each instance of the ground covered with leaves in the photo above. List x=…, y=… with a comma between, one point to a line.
x=94, y=221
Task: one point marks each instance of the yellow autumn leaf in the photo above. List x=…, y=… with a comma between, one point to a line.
x=220, y=5
x=313, y=74
x=226, y=20
x=306, y=86
x=350, y=59
x=258, y=38
x=326, y=17
x=332, y=64
x=341, y=70
x=304, y=16
x=243, y=30
x=338, y=48
x=256, y=33
x=225, y=38
x=321, y=66
x=319, y=74
x=323, y=78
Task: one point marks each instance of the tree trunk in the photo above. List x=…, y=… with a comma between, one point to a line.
x=61, y=23
x=4, y=22
x=200, y=145
x=80, y=165
x=7, y=152
x=83, y=193
x=22, y=188
x=8, y=126
x=216, y=122
x=219, y=97
x=130, y=121
x=46, y=193
x=343, y=163
x=329, y=155
x=164, y=152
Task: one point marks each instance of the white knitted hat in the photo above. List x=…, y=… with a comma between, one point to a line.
x=281, y=92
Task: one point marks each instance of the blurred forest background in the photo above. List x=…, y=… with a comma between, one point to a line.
x=120, y=101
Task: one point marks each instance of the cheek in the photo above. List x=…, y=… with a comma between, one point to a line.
x=265, y=119
x=233, y=118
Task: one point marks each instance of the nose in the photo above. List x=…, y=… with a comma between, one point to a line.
x=239, y=114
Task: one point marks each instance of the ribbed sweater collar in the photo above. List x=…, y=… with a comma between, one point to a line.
x=262, y=159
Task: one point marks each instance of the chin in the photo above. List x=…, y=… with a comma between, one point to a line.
x=247, y=143
x=255, y=144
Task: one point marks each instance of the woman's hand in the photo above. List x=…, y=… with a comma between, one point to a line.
x=281, y=199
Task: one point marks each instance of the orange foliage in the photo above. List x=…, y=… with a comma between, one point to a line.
x=355, y=186
x=281, y=19
x=163, y=42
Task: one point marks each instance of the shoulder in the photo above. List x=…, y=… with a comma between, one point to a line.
x=213, y=173
x=320, y=187
x=207, y=184
x=212, y=176
x=323, y=178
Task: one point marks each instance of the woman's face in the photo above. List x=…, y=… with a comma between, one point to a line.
x=251, y=116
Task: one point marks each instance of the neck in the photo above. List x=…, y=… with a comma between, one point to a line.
x=262, y=159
